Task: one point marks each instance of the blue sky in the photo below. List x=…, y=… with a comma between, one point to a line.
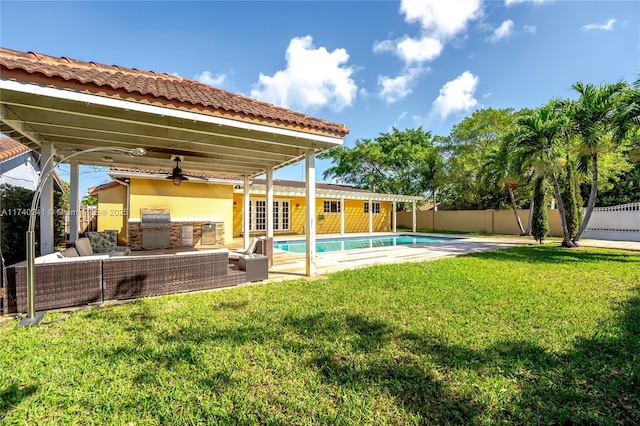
x=371, y=65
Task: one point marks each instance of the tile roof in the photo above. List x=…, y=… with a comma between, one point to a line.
x=181, y=93
x=10, y=148
x=319, y=185
x=103, y=186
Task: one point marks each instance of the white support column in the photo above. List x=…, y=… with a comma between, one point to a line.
x=311, y=212
x=370, y=216
x=46, y=198
x=394, y=222
x=414, y=216
x=341, y=215
x=246, y=213
x=74, y=201
x=269, y=201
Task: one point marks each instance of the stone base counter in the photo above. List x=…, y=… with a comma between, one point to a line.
x=190, y=232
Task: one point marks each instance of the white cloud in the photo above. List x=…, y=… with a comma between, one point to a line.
x=313, y=78
x=531, y=29
x=456, y=96
x=207, y=77
x=395, y=88
x=603, y=27
x=512, y=2
x=384, y=46
x=416, y=51
x=439, y=22
x=505, y=30
x=486, y=95
x=441, y=19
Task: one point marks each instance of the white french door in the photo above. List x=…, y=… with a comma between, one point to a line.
x=258, y=215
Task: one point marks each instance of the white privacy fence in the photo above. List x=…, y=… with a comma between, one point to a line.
x=615, y=223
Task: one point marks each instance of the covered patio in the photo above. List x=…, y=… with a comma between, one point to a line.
x=87, y=113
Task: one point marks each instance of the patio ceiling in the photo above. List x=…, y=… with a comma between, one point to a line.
x=78, y=105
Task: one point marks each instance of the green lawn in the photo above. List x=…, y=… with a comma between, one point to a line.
x=528, y=335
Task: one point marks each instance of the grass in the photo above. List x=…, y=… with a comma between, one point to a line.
x=527, y=335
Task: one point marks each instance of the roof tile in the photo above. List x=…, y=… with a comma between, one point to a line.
x=157, y=85
x=10, y=148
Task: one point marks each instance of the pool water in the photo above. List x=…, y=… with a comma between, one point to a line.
x=353, y=243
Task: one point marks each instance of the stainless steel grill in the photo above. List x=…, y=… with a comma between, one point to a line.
x=156, y=230
x=155, y=221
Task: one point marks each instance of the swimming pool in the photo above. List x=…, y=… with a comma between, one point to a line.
x=353, y=243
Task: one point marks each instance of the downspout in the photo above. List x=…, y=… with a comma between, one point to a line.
x=126, y=222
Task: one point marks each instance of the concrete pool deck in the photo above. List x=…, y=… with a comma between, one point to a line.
x=293, y=265
x=288, y=266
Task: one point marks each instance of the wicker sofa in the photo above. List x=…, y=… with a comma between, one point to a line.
x=76, y=281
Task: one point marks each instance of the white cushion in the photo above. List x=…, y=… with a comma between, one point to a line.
x=83, y=247
x=218, y=250
x=83, y=259
x=48, y=258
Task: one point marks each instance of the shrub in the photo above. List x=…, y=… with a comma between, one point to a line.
x=540, y=222
x=572, y=201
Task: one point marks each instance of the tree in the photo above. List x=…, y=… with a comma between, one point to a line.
x=500, y=169
x=626, y=118
x=15, y=209
x=89, y=200
x=626, y=190
x=541, y=138
x=469, y=146
x=401, y=162
x=540, y=221
x=61, y=206
x=592, y=117
x=573, y=200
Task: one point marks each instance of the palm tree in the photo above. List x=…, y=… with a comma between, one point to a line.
x=627, y=119
x=592, y=118
x=499, y=169
x=541, y=139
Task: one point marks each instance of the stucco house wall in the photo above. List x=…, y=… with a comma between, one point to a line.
x=20, y=171
x=112, y=211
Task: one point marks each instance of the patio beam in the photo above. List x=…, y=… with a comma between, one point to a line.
x=342, y=215
x=394, y=221
x=67, y=125
x=414, y=216
x=74, y=202
x=46, y=198
x=310, y=162
x=370, y=216
x=19, y=127
x=246, y=212
x=269, y=189
x=159, y=165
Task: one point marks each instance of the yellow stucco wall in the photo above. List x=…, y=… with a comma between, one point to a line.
x=189, y=200
x=112, y=211
x=356, y=220
x=208, y=201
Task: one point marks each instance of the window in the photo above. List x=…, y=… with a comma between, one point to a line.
x=376, y=207
x=331, y=206
x=258, y=215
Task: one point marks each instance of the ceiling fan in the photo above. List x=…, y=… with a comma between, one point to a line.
x=176, y=174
